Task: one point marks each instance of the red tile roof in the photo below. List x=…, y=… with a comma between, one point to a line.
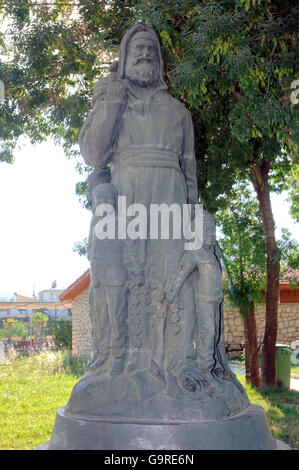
x=287, y=293
x=288, y=275
x=78, y=286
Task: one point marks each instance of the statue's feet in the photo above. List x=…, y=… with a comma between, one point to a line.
x=229, y=375
x=133, y=366
x=192, y=380
x=117, y=367
x=218, y=373
x=91, y=363
x=223, y=373
x=96, y=363
x=157, y=372
x=173, y=388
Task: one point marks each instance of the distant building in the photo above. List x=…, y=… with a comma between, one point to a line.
x=288, y=315
x=23, y=305
x=52, y=295
x=21, y=298
x=49, y=295
x=13, y=311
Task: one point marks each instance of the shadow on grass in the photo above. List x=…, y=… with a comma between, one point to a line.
x=282, y=409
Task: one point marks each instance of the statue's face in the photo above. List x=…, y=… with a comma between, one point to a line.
x=142, y=62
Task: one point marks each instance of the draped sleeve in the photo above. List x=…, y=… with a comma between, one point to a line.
x=99, y=131
x=187, y=159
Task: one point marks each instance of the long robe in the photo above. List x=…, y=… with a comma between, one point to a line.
x=152, y=161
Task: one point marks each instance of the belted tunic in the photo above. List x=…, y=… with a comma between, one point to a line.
x=152, y=160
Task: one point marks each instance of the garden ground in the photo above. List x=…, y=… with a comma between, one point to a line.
x=33, y=388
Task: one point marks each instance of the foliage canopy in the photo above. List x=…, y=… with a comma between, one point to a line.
x=231, y=62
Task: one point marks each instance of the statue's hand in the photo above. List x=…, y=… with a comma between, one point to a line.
x=100, y=87
x=176, y=281
x=117, y=90
x=108, y=86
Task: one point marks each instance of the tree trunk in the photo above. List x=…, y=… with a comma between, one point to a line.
x=260, y=174
x=251, y=349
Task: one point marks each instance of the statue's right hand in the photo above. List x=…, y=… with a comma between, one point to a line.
x=117, y=90
x=110, y=87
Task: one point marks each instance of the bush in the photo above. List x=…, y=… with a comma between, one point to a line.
x=39, y=320
x=61, y=330
x=14, y=329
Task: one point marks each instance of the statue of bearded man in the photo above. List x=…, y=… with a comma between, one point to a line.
x=146, y=136
x=135, y=121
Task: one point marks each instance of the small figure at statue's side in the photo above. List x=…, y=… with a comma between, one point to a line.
x=107, y=292
x=205, y=267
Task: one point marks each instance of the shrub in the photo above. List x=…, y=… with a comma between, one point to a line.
x=11, y=354
x=61, y=330
x=13, y=329
x=39, y=320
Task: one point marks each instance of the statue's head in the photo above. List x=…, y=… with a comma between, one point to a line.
x=140, y=59
x=209, y=229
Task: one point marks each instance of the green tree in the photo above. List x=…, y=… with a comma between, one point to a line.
x=39, y=320
x=243, y=250
x=232, y=63
x=289, y=257
x=294, y=192
x=13, y=328
x=246, y=60
x=61, y=330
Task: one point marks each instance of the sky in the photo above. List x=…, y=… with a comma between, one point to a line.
x=41, y=219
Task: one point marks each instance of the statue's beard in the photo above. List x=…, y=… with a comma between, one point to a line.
x=143, y=73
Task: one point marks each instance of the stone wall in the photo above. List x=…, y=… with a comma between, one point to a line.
x=288, y=325
x=81, y=330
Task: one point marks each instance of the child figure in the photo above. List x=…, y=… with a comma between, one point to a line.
x=107, y=292
x=206, y=268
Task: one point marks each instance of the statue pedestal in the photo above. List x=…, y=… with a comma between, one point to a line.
x=248, y=430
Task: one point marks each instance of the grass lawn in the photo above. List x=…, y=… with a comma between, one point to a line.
x=33, y=388
x=282, y=409
x=31, y=391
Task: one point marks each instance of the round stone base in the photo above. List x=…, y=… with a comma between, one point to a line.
x=248, y=430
